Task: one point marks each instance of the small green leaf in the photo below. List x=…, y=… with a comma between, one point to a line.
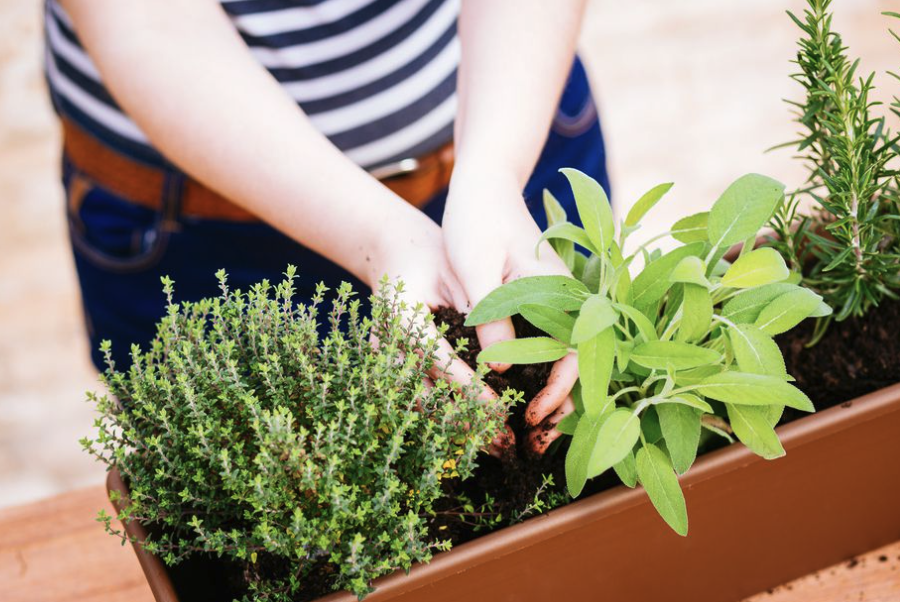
x=619, y=433
x=643, y=324
x=659, y=355
x=567, y=425
x=627, y=470
x=689, y=400
x=755, y=351
x=590, y=276
x=746, y=306
x=595, y=364
x=650, y=425
x=696, y=313
x=623, y=354
x=753, y=389
x=694, y=376
x=580, y=451
x=558, y=324
x=593, y=208
x=646, y=203
x=566, y=231
x=653, y=281
x=744, y=208
x=752, y=428
x=690, y=270
x=680, y=426
x=529, y=350
x=559, y=292
x=756, y=268
x=659, y=480
x=788, y=310
x=597, y=314
x=691, y=228
x=822, y=311
x=557, y=215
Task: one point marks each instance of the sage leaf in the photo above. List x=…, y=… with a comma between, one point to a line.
x=642, y=323
x=689, y=400
x=755, y=351
x=751, y=426
x=680, y=426
x=746, y=306
x=691, y=228
x=558, y=324
x=626, y=470
x=557, y=215
x=744, y=208
x=567, y=425
x=694, y=376
x=619, y=433
x=590, y=276
x=756, y=268
x=753, y=389
x=652, y=283
x=787, y=310
x=659, y=355
x=646, y=203
x=580, y=451
x=597, y=314
x=559, y=292
x=658, y=478
x=529, y=350
x=696, y=313
x=690, y=270
x=623, y=354
x=595, y=364
x=566, y=231
x=593, y=208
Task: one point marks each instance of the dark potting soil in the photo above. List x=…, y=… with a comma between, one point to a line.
x=855, y=357
x=511, y=481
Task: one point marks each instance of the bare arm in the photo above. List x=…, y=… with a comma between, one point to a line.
x=516, y=56
x=181, y=71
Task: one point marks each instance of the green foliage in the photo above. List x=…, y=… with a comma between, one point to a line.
x=849, y=249
x=243, y=434
x=685, y=345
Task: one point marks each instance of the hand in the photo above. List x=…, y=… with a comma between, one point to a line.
x=412, y=251
x=490, y=238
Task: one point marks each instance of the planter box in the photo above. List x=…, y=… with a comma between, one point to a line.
x=754, y=524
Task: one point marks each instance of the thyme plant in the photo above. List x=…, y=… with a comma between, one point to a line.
x=243, y=434
x=849, y=249
x=666, y=358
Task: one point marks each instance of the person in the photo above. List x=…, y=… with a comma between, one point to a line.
x=353, y=138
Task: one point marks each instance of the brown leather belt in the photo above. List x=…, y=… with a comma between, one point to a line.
x=415, y=180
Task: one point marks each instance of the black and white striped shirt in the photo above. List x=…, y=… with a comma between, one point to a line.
x=377, y=77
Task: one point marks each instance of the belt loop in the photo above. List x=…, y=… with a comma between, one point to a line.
x=172, y=193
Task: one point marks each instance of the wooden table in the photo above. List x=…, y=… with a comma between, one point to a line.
x=54, y=551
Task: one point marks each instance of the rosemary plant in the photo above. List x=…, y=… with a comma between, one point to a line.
x=848, y=250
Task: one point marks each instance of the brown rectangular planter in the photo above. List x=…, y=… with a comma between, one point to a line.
x=754, y=524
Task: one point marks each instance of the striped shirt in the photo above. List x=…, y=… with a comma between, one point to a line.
x=377, y=77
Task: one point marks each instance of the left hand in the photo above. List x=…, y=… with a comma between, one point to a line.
x=490, y=239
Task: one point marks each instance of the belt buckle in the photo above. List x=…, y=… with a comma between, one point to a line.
x=396, y=169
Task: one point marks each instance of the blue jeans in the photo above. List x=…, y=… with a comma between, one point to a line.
x=122, y=249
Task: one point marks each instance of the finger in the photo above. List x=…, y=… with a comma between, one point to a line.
x=562, y=378
x=494, y=332
x=449, y=367
x=540, y=438
x=503, y=442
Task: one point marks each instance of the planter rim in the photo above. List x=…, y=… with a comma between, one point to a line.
x=620, y=498
x=555, y=523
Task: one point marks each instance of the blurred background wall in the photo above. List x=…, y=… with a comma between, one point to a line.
x=689, y=91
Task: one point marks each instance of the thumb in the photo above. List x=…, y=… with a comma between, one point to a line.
x=494, y=332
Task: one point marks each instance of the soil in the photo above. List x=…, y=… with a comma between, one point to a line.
x=855, y=357
x=512, y=481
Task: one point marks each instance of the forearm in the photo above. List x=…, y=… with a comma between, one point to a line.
x=516, y=56
x=190, y=83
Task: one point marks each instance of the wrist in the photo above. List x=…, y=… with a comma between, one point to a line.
x=406, y=228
